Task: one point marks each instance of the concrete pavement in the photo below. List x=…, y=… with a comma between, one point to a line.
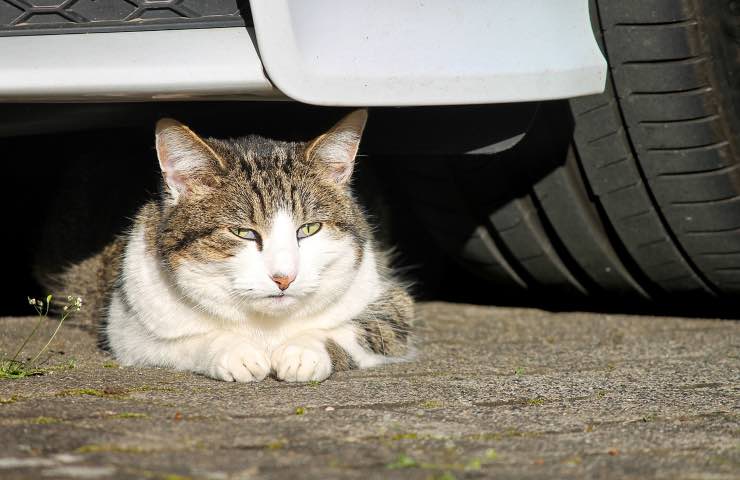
x=495, y=393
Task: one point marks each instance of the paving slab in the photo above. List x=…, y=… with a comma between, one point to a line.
x=494, y=393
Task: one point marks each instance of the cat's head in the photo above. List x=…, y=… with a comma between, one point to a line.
x=257, y=225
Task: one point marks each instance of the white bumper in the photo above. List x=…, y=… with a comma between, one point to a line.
x=433, y=52
x=326, y=52
x=126, y=66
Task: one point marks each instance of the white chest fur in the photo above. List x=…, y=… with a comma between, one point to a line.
x=152, y=322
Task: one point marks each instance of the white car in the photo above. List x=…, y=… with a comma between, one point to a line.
x=560, y=172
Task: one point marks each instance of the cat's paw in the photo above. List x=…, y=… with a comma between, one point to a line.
x=301, y=362
x=240, y=362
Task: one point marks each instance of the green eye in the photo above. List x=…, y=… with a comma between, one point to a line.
x=245, y=233
x=308, y=229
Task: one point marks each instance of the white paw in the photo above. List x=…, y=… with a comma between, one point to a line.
x=240, y=362
x=298, y=362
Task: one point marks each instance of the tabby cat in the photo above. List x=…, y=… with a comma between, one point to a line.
x=256, y=259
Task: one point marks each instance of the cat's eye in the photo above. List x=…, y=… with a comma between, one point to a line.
x=245, y=233
x=308, y=229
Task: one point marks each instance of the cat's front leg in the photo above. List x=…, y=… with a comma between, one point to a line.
x=302, y=359
x=236, y=359
x=221, y=355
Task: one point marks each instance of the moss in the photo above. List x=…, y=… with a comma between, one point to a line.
x=70, y=364
x=110, y=364
x=10, y=399
x=129, y=415
x=110, y=392
x=80, y=392
x=276, y=445
x=10, y=369
x=430, y=404
x=402, y=461
x=472, y=464
x=535, y=402
x=405, y=436
x=511, y=433
x=300, y=410
x=110, y=448
x=720, y=460
x=45, y=420
x=149, y=388
x=138, y=473
x=314, y=383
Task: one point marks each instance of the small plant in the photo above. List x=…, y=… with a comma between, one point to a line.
x=431, y=404
x=15, y=368
x=491, y=454
x=403, y=461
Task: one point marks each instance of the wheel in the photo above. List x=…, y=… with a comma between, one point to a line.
x=634, y=192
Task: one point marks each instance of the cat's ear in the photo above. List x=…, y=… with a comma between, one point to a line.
x=338, y=147
x=185, y=159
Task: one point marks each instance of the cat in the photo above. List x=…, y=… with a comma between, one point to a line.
x=254, y=260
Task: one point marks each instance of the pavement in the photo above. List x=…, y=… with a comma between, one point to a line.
x=495, y=393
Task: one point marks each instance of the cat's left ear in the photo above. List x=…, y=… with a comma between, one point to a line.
x=338, y=147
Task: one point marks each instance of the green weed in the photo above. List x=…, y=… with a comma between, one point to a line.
x=403, y=461
x=14, y=368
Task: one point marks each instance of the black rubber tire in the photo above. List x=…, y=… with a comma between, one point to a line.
x=635, y=191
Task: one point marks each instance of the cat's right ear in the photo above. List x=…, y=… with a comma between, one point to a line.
x=183, y=157
x=337, y=148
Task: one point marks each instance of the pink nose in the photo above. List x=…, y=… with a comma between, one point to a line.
x=282, y=281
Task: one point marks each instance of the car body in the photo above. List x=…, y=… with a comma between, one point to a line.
x=576, y=147
x=324, y=52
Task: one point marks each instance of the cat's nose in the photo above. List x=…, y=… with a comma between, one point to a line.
x=283, y=281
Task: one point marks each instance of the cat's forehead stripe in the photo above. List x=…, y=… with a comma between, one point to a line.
x=272, y=183
x=258, y=194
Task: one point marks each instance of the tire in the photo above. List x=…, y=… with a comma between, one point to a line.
x=633, y=192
